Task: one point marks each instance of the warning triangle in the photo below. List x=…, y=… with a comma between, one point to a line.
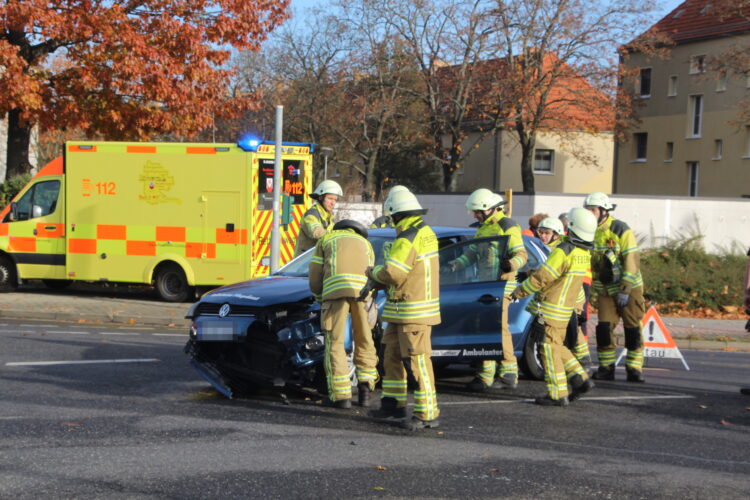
x=655, y=334
x=657, y=342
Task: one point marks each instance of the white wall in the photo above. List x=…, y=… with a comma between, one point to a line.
x=361, y=212
x=722, y=221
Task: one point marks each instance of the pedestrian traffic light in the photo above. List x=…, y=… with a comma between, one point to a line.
x=286, y=210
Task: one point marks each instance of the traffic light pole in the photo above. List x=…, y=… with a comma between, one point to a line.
x=276, y=228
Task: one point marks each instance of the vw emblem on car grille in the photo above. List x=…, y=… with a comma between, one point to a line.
x=224, y=311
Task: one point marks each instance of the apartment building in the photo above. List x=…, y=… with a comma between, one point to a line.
x=691, y=141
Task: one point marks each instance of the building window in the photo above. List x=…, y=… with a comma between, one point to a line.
x=544, y=161
x=670, y=152
x=696, y=115
x=672, y=89
x=644, y=84
x=640, y=140
x=697, y=64
x=718, y=149
x=693, y=178
x=721, y=81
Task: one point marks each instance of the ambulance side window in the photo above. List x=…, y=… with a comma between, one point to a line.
x=39, y=200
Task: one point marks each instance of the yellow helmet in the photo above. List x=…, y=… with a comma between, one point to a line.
x=483, y=199
x=552, y=224
x=328, y=187
x=582, y=223
x=402, y=202
x=600, y=200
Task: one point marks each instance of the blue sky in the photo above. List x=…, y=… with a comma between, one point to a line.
x=665, y=6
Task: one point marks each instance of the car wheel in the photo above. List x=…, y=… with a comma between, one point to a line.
x=57, y=284
x=172, y=284
x=532, y=360
x=8, y=275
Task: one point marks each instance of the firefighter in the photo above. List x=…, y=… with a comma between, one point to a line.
x=384, y=220
x=318, y=219
x=411, y=273
x=558, y=285
x=487, y=208
x=746, y=303
x=552, y=232
x=619, y=286
x=337, y=274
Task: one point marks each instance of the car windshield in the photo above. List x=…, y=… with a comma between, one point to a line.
x=298, y=266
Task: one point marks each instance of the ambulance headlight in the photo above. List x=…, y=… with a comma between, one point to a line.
x=249, y=143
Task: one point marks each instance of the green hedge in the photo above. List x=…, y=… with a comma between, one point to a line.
x=682, y=273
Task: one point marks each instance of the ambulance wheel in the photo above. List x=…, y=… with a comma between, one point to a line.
x=532, y=359
x=57, y=284
x=172, y=284
x=8, y=275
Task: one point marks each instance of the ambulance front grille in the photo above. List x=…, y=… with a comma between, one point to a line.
x=209, y=309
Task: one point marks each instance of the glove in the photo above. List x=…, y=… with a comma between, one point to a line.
x=622, y=300
x=505, y=266
x=365, y=292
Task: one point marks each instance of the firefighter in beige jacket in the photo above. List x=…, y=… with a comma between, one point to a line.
x=337, y=274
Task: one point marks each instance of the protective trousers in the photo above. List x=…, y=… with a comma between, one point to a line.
x=409, y=347
x=559, y=363
x=333, y=322
x=609, y=316
x=509, y=364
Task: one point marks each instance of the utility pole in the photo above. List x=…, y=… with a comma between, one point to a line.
x=275, y=227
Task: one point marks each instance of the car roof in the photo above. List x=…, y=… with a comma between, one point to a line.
x=440, y=231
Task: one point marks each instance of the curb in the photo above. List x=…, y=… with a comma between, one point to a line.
x=123, y=319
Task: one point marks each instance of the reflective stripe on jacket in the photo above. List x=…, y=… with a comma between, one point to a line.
x=412, y=273
x=558, y=283
x=315, y=224
x=616, y=235
x=338, y=266
x=497, y=224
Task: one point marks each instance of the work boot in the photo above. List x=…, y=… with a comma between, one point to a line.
x=341, y=404
x=416, y=424
x=635, y=375
x=509, y=381
x=388, y=410
x=363, y=395
x=548, y=401
x=745, y=391
x=585, y=362
x=580, y=387
x=604, y=373
x=477, y=385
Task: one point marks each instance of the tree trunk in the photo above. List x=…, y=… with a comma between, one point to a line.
x=527, y=141
x=19, y=140
x=369, y=193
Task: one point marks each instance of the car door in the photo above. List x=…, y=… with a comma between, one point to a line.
x=470, y=301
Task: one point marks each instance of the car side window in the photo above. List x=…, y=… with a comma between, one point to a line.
x=38, y=201
x=473, y=261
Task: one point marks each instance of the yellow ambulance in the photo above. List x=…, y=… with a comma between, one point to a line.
x=175, y=215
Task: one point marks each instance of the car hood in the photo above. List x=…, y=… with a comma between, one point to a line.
x=262, y=292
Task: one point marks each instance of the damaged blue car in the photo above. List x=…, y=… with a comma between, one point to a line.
x=266, y=331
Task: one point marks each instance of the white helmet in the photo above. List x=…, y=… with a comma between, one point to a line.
x=582, y=223
x=600, y=200
x=552, y=224
x=483, y=199
x=401, y=202
x=328, y=187
x=398, y=188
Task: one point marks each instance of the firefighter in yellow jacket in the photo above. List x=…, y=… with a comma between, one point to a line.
x=619, y=287
x=337, y=274
x=487, y=208
x=318, y=220
x=384, y=220
x=558, y=285
x=552, y=232
x=411, y=273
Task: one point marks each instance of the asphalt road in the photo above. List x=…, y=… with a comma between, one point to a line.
x=134, y=421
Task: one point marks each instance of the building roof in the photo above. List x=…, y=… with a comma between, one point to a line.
x=695, y=20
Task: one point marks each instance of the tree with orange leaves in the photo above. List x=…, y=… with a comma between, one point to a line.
x=123, y=69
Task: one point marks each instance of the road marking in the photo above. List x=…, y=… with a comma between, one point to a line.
x=69, y=332
x=119, y=333
x=82, y=362
x=38, y=325
x=589, y=398
x=169, y=334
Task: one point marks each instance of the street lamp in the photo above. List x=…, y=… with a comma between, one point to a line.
x=326, y=152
